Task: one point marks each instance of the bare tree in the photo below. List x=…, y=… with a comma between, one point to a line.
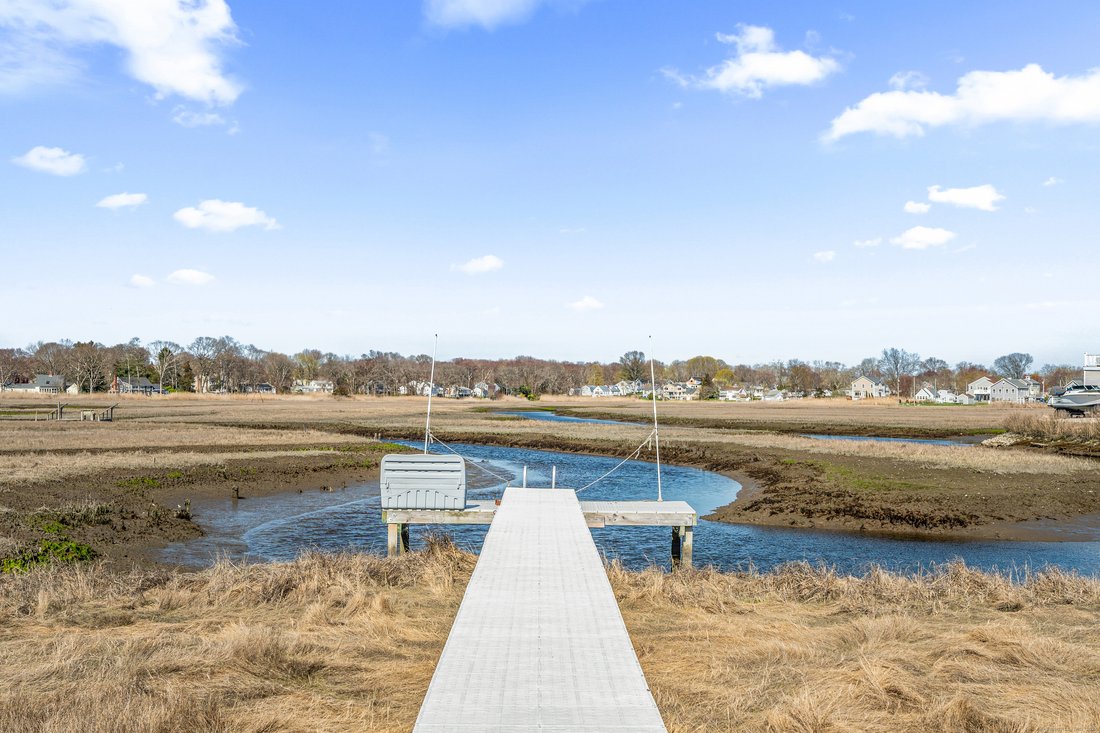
x=632, y=366
x=1014, y=365
x=896, y=363
x=166, y=360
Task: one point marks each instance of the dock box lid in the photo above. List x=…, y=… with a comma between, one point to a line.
x=403, y=471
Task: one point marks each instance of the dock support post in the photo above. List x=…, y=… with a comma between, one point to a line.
x=676, y=546
x=686, y=546
x=397, y=538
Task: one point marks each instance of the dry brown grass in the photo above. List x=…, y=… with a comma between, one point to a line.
x=327, y=643
x=348, y=643
x=972, y=458
x=27, y=468
x=1048, y=427
x=90, y=436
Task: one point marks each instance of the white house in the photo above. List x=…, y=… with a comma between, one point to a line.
x=314, y=386
x=925, y=394
x=979, y=389
x=1092, y=369
x=866, y=387
x=1015, y=390
x=733, y=394
x=484, y=390
x=946, y=396
x=42, y=384
x=773, y=395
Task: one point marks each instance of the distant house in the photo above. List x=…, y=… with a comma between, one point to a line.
x=1092, y=370
x=979, y=389
x=313, y=386
x=1015, y=390
x=133, y=385
x=42, y=384
x=773, y=395
x=733, y=394
x=868, y=387
x=628, y=388
x=459, y=392
x=484, y=390
x=925, y=394
x=261, y=388
x=946, y=396
x=675, y=391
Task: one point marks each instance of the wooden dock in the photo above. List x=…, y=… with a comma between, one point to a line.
x=675, y=514
x=539, y=643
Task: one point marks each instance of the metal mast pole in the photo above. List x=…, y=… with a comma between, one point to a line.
x=431, y=390
x=656, y=435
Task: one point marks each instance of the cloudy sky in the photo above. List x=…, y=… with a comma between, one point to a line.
x=751, y=180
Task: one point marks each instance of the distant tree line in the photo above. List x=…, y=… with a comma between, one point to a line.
x=225, y=364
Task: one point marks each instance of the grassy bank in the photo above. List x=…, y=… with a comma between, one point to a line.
x=349, y=642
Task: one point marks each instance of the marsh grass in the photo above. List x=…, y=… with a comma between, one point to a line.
x=349, y=642
x=1048, y=427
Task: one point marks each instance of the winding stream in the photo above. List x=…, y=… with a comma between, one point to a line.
x=280, y=527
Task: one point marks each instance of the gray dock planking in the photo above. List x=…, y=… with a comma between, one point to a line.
x=539, y=643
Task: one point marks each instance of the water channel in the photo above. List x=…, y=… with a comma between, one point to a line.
x=280, y=527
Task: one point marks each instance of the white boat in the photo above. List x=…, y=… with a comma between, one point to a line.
x=1078, y=400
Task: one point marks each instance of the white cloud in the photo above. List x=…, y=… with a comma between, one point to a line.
x=757, y=65
x=175, y=46
x=1052, y=181
x=976, y=197
x=480, y=265
x=122, y=200
x=486, y=13
x=1030, y=210
x=908, y=80
x=189, y=118
x=868, y=242
x=923, y=238
x=1029, y=94
x=51, y=160
x=916, y=207
x=825, y=256
x=190, y=277
x=141, y=281
x=587, y=303
x=216, y=215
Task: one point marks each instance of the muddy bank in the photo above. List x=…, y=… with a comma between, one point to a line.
x=126, y=516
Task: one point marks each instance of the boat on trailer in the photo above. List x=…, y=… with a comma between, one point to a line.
x=1078, y=401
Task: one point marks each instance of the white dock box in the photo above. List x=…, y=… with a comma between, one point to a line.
x=423, y=481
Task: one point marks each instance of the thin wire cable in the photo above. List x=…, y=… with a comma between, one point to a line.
x=497, y=476
x=631, y=457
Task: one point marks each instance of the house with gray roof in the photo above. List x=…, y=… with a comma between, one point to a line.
x=1015, y=390
x=42, y=384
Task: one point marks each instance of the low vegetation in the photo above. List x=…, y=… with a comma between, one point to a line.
x=1054, y=428
x=349, y=642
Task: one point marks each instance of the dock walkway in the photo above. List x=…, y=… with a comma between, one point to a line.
x=539, y=643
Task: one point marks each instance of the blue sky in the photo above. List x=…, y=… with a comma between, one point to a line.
x=553, y=178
